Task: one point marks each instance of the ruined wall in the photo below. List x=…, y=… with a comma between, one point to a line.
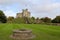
x=19, y=15
x=25, y=13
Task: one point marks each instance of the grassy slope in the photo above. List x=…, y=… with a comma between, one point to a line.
x=42, y=32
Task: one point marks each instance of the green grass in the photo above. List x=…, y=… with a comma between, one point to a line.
x=42, y=32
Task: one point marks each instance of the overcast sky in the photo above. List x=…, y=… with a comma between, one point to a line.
x=38, y=8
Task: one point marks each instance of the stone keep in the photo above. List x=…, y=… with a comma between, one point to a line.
x=25, y=13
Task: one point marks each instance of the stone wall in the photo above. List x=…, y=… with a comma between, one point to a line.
x=22, y=34
x=19, y=15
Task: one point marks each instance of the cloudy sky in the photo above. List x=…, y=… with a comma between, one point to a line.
x=38, y=8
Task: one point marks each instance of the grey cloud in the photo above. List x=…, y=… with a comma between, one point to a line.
x=5, y=2
x=36, y=6
x=46, y=8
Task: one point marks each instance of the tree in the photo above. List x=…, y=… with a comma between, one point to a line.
x=56, y=20
x=46, y=20
x=32, y=20
x=37, y=20
x=27, y=20
x=19, y=20
x=10, y=19
x=3, y=18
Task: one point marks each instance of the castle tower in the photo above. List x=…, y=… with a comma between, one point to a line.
x=25, y=13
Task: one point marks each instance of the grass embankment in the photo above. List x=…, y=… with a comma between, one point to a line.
x=42, y=32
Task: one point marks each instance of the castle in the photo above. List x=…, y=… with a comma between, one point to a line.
x=25, y=13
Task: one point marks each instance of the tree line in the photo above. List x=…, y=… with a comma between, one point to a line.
x=25, y=20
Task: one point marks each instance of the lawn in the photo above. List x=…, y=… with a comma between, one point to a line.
x=42, y=32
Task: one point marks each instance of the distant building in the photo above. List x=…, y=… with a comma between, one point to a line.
x=25, y=13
